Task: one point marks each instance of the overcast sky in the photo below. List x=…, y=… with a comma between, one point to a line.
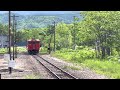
x=42, y=12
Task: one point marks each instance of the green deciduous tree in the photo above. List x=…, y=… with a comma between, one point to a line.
x=102, y=27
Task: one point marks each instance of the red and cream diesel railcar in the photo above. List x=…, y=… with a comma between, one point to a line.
x=33, y=46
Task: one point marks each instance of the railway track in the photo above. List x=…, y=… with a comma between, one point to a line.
x=53, y=69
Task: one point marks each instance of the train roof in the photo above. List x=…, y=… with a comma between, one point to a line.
x=33, y=40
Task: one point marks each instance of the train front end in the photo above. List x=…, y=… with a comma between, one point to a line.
x=33, y=46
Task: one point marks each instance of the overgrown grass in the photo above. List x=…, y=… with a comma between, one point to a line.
x=21, y=49
x=3, y=50
x=85, y=57
x=43, y=50
x=109, y=68
x=75, y=55
x=32, y=76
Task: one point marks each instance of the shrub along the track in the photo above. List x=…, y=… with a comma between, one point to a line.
x=86, y=57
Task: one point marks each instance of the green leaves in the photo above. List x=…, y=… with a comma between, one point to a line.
x=3, y=29
x=100, y=23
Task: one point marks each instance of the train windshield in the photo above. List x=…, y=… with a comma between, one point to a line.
x=33, y=42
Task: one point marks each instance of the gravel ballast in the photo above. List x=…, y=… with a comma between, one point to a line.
x=81, y=73
x=26, y=67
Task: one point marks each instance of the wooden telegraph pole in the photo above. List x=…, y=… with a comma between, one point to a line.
x=15, y=40
x=11, y=63
x=10, y=68
x=14, y=37
x=54, y=36
x=74, y=32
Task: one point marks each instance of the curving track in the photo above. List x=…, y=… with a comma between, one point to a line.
x=53, y=69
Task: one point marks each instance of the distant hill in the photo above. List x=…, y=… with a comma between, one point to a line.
x=35, y=21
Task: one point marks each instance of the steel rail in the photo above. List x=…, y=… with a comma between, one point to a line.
x=59, y=68
x=47, y=68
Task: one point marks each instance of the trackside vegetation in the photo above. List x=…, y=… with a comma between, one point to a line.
x=109, y=66
x=92, y=41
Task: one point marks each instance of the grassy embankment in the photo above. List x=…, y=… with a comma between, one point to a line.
x=86, y=57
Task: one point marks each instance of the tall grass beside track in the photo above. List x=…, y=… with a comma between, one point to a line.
x=19, y=49
x=3, y=50
x=86, y=57
x=22, y=50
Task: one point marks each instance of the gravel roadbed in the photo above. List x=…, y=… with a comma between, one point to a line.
x=26, y=67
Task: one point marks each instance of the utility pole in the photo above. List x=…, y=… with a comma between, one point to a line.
x=74, y=33
x=2, y=38
x=15, y=40
x=49, y=47
x=10, y=68
x=14, y=35
x=54, y=35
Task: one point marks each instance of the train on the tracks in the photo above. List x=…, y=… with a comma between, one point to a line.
x=33, y=46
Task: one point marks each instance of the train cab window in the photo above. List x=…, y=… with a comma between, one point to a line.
x=31, y=42
x=37, y=42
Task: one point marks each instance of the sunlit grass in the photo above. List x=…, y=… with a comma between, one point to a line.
x=32, y=76
x=43, y=50
x=3, y=50
x=21, y=49
x=111, y=69
x=105, y=67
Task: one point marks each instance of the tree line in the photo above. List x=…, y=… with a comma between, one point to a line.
x=98, y=29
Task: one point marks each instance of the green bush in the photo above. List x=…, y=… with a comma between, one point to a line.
x=3, y=50
x=44, y=50
x=20, y=49
x=76, y=55
x=115, y=52
x=105, y=67
x=86, y=56
x=113, y=58
x=79, y=47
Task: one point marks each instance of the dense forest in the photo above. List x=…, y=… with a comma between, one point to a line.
x=38, y=21
x=96, y=37
x=99, y=30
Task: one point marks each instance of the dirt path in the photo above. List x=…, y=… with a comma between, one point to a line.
x=26, y=67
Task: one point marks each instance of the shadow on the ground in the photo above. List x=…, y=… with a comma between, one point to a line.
x=14, y=70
